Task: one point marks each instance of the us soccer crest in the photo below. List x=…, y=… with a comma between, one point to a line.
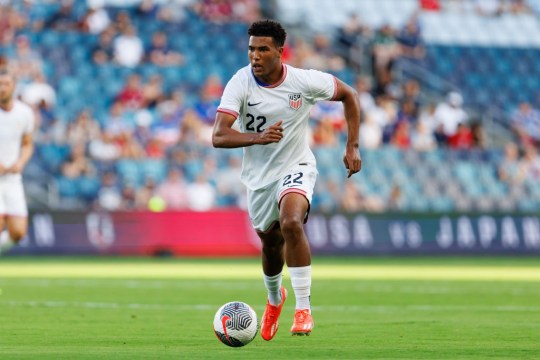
x=295, y=101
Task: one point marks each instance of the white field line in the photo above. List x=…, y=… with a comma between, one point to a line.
x=171, y=284
x=208, y=307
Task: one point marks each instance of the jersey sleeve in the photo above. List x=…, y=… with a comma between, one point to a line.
x=322, y=86
x=232, y=99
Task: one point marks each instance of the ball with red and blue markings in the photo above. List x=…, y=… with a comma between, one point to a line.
x=235, y=324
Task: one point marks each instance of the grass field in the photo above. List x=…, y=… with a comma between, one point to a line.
x=364, y=308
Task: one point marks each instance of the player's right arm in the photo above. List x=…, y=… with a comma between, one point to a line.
x=224, y=136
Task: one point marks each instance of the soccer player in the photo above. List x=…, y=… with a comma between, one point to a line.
x=16, y=147
x=271, y=102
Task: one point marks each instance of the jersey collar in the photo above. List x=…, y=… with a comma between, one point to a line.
x=269, y=86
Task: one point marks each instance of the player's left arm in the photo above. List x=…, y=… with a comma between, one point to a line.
x=349, y=97
x=27, y=149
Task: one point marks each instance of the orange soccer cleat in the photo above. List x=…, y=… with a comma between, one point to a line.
x=269, y=322
x=303, y=323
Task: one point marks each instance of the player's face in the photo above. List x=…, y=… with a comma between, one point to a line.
x=7, y=87
x=264, y=56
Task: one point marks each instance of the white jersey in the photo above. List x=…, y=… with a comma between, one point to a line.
x=13, y=125
x=258, y=106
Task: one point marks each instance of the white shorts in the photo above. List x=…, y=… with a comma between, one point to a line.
x=263, y=204
x=12, y=199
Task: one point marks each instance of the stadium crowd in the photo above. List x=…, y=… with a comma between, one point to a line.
x=149, y=122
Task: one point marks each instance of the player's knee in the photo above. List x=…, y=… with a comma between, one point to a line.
x=291, y=225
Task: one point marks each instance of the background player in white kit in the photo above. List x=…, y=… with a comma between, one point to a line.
x=16, y=147
x=272, y=101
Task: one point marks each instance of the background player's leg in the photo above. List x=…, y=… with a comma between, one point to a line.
x=5, y=241
x=293, y=209
x=272, y=263
x=17, y=227
x=15, y=231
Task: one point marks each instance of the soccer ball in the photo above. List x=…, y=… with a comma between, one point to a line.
x=235, y=324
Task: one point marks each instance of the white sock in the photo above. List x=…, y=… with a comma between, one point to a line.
x=301, y=283
x=6, y=242
x=273, y=285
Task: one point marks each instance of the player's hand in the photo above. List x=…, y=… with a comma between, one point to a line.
x=15, y=169
x=271, y=134
x=352, y=160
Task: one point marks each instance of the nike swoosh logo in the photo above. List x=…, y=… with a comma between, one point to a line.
x=250, y=104
x=224, y=323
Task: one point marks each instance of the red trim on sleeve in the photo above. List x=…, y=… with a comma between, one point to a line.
x=227, y=111
x=335, y=89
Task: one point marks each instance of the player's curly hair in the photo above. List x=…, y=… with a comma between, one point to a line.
x=269, y=28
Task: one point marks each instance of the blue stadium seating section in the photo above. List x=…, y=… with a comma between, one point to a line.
x=439, y=180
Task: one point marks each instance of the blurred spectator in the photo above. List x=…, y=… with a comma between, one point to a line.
x=478, y=134
x=488, y=7
x=152, y=92
x=206, y=106
x=525, y=122
x=530, y=165
x=64, y=19
x=118, y=122
x=246, y=11
x=154, y=149
x=11, y=21
x=410, y=40
x=109, y=194
x=352, y=40
x=407, y=112
x=385, y=50
x=430, y=5
x=128, y=48
x=148, y=9
x=370, y=133
x=216, y=11
x=363, y=88
x=128, y=197
x=401, y=137
x=173, y=12
x=173, y=190
x=324, y=133
x=83, y=129
x=78, y=164
x=103, y=51
x=104, y=149
x=201, y=195
x=96, y=19
x=462, y=139
x=144, y=194
x=26, y=61
x=411, y=94
x=509, y=170
x=422, y=138
x=52, y=130
x=230, y=191
x=330, y=112
x=160, y=53
x=449, y=115
x=396, y=200
x=122, y=22
x=38, y=93
x=131, y=96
